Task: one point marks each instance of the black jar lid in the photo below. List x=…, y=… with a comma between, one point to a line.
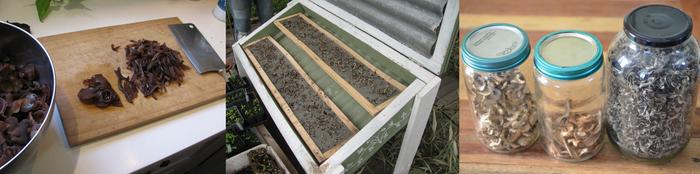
x=658, y=25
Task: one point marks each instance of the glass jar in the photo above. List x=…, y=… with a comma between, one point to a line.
x=652, y=84
x=570, y=93
x=502, y=104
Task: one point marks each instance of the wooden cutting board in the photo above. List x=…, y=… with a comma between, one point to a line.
x=79, y=55
x=603, y=18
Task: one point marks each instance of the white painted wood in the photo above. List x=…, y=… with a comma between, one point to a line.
x=338, y=169
x=448, y=31
x=434, y=63
x=297, y=147
x=334, y=163
x=375, y=124
x=416, y=126
x=291, y=3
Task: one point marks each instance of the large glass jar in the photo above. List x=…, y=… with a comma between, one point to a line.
x=652, y=84
x=503, y=107
x=570, y=93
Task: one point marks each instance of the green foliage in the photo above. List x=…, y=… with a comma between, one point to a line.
x=437, y=152
x=238, y=82
x=239, y=142
x=249, y=109
x=278, y=5
x=230, y=137
x=238, y=89
x=452, y=59
x=42, y=8
x=236, y=96
x=233, y=116
x=252, y=108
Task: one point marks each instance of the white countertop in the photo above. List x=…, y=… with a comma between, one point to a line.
x=139, y=147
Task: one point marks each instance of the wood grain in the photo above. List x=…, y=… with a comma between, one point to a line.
x=602, y=18
x=79, y=55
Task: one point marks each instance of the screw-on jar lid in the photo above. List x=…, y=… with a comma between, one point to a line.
x=568, y=55
x=658, y=25
x=495, y=47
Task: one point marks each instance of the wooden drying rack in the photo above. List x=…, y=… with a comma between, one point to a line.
x=363, y=101
x=320, y=156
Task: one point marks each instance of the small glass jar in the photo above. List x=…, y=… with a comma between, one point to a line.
x=504, y=109
x=570, y=94
x=652, y=84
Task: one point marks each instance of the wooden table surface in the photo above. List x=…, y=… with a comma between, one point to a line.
x=81, y=54
x=603, y=18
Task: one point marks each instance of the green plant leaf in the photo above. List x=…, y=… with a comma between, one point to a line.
x=440, y=162
x=42, y=8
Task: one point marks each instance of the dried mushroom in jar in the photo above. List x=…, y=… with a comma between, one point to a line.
x=571, y=135
x=505, y=111
x=653, y=84
x=569, y=92
x=651, y=101
x=503, y=105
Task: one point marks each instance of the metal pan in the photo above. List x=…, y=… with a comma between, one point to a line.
x=24, y=48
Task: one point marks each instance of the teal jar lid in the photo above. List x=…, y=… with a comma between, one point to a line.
x=495, y=47
x=568, y=55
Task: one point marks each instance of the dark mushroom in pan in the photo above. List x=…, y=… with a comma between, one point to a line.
x=23, y=106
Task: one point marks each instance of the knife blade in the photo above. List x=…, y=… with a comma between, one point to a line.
x=198, y=50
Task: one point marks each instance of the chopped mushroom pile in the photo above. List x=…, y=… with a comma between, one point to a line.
x=23, y=106
x=126, y=85
x=154, y=65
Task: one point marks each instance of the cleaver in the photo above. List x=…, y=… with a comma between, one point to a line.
x=201, y=54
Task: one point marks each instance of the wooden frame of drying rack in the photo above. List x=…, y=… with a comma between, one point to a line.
x=362, y=100
x=320, y=156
